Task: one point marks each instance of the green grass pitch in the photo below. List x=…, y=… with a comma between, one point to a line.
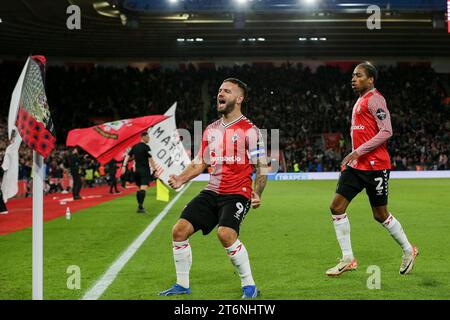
x=290, y=240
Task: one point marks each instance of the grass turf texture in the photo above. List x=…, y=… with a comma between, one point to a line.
x=290, y=240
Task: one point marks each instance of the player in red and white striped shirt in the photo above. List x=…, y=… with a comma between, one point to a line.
x=232, y=145
x=367, y=167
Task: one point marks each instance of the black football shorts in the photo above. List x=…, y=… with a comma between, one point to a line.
x=353, y=181
x=209, y=209
x=142, y=177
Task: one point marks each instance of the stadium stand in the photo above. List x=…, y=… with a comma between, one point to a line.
x=311, y=108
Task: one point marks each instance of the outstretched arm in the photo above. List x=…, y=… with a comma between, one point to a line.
x=196, y=167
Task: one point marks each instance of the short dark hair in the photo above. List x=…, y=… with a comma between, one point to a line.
x=241, y=84
x=143, y=134
x=370, y=70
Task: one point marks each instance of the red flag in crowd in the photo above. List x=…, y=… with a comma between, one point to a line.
x=108, y=140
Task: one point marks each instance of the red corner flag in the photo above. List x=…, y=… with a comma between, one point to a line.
x=33, y=121
x=107, y=140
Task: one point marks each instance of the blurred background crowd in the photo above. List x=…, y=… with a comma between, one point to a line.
x=310, y=108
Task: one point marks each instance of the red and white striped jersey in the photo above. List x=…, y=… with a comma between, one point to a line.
x=371, y=128
x=231, y=150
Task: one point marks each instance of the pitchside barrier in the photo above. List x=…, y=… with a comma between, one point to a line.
x=290, y=176
x=281, y=176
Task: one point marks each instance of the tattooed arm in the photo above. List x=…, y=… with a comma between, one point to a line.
x=262, y=169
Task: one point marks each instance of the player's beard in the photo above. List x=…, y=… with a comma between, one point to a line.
x=229, y=107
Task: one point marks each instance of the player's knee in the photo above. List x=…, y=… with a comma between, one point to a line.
x=337, y=208
x=377, y=217
x=380, y=215
x=227, y=236
x=180, y=232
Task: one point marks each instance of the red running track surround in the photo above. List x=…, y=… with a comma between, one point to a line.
x=55, y=204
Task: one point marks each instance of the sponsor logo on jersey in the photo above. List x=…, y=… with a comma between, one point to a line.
x=358, y=127
x=226, y=159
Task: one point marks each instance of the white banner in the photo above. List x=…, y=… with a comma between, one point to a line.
x=10, y=163
x=10, y=183
x=167, y=149
x=15, y=101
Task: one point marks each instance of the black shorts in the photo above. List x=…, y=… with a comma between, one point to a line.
x=209, y=209
x=353, y=181
x=142, y=177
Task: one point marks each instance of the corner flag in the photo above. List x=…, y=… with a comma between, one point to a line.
x=29, y=116
x=162, y=192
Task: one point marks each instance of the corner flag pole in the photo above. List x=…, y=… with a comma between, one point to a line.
x=29, y=114
x=38, y=218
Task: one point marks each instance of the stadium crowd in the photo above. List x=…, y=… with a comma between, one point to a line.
x=304, y=105
x=301, y=103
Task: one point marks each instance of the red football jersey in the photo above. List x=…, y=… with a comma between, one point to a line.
x=231, y=150
x=371, y=127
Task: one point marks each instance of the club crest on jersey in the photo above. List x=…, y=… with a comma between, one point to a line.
x=381, y=114
x=358, y=110
x=234, y=138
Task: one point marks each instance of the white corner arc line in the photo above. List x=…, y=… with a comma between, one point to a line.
x=108, y=277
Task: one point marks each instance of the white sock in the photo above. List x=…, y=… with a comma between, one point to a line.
x=239, y=258
x=395, y=229
x=342, y=228
x=182, y=255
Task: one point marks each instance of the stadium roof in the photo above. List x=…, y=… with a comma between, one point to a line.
x=209, y=30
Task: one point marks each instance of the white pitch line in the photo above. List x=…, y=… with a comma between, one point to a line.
x=108, y=277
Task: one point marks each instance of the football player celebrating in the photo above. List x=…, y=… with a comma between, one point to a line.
x=231, y=145
x=367, y=167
